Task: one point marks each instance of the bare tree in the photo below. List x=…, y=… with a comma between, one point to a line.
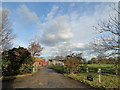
x=109, y=41
x=110, y=33
x=35, y=49
x=6, y=35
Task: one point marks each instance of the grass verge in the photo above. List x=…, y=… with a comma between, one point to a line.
x=107, y=81
x=16, y=76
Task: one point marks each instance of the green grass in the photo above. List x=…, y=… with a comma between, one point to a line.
x=108, y=80
x=101, y=65
x=105, y=68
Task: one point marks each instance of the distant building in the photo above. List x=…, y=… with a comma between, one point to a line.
x=45, y=63
x=39, y=61
x=43, y=59
x=55, y=62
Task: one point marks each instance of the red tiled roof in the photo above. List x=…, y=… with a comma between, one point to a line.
x=38, y=59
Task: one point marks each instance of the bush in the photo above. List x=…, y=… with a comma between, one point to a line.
x=26, y=68
x=16, y=61
x=72, y=64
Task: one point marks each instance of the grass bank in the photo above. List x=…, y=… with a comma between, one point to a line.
x=107, y=80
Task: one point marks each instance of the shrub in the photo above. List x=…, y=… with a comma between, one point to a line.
x=72, y=64
x=16, y=61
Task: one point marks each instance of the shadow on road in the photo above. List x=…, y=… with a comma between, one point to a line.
x=7, y=83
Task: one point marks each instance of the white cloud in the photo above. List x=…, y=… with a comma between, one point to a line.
x=73, y=31
x=26, y=15
x=59, y=28
x=65, y=48
x=73, y=27
x=52, y=12
x=79, y=46
x=56, y=30
x=82, y=26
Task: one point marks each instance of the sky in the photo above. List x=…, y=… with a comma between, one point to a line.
x=59, y=27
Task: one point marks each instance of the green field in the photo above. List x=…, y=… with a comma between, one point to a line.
x=105, y=68
x=101, y=65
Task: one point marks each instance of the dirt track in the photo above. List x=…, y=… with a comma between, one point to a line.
x=45, y=78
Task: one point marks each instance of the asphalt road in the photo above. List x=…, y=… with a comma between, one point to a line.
x=44, y=78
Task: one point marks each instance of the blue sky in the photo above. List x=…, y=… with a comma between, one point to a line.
x=57, y=26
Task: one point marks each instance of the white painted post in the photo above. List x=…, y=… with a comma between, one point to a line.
x=99, y=71
x=99, y=78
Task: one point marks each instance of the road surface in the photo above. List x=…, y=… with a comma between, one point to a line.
x=44, y=78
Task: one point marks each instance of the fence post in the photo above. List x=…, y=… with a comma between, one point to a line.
x=99, y=71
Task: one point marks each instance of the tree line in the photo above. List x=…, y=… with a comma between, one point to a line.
x=110, y=60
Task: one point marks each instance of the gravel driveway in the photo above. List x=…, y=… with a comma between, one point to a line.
x=44, y=78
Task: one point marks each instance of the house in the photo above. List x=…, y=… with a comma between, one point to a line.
x=50, y=62
x=55, y=62
x=39, y=61
x=45, y=63
x=43, y=59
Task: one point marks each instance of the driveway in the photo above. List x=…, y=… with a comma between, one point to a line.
x=44, y=78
